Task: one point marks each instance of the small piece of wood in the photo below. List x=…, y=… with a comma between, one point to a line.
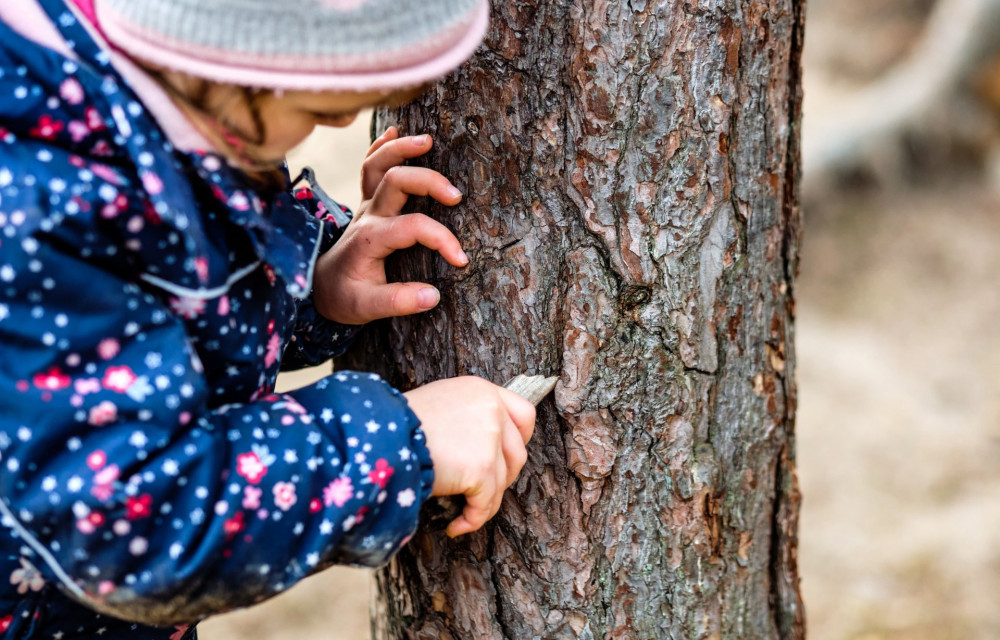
x=438, y=512
x=533, y=388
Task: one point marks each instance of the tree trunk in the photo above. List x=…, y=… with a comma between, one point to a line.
x=631, y=171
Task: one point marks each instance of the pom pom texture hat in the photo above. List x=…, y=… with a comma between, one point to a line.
x=342, y=45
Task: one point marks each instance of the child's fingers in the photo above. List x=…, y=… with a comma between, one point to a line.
x=521, y=412
x=400, y=183
x=416, y=228
x=514, y=453
x=390, y=153
x=398, y=299
x=389, y=134
x=481, y=503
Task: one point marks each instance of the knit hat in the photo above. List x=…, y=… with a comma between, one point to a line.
x=344, y=45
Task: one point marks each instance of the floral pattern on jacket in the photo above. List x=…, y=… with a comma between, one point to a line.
x=148, y=299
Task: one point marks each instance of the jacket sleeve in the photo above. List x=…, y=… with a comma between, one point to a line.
x=315, y=338
x=139, y=497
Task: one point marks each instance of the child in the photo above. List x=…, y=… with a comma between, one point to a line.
x=155, y=274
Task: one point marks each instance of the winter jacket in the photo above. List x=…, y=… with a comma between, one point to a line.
x=149, y=474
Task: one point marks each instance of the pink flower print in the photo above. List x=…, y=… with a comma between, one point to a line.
x=150, y=214
x=284, y=495
x=51, y=380
x=106, y=587
x=27, y=578
x=250, y=467
x=71, y=91
x=88, y=524
x=139, y=506
x=115, y=207
x=295, y=407
x=105, y=172
x=152, y=183
x=47, y=128
x=96, y=460
x=381, y=473
x=5, y=622
x=108, y=348
x=181, y=629
x=223, y=306
x=251, y=497
x=189, y=308
x=102, y=149
x=107, y=475
x=338, y=492
x=315, y=505
x=94, y=119
x=359, y=516
x=83, y=386
x=273, y=349
x=104, y=413
x=201, y=268
x=80, y=202
x=232, y=526
x=239, y=201
x=78, y=130
x=102, y=492
x=118, y=378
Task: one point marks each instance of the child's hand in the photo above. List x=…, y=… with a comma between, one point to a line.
x=476, y=432
x=350, y=283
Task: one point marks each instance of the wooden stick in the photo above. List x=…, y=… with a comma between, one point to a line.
x=533, y=388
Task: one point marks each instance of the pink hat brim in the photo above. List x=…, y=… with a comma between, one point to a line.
x=388, y=80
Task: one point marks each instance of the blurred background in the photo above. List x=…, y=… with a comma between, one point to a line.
x=898, y=341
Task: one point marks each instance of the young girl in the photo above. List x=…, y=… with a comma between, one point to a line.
x=156, y=272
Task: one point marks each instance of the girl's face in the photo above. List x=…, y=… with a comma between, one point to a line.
x=291, y=116
x=288, y=117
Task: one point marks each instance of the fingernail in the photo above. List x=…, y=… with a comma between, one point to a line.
x=454, y=192
x=420, y=141
x=428, y=297
x=463, y=258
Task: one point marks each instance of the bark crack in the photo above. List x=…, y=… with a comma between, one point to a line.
x=774, y=555
x=498, y=601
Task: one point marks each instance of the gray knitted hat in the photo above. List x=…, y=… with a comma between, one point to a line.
x=348, y=45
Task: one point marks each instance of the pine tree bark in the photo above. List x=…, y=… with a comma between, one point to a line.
x=631, y=171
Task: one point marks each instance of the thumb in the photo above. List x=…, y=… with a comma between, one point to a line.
x=521, y=412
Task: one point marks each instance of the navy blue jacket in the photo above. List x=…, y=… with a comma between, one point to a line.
x=148, y=299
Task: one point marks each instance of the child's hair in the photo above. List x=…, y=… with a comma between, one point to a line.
x=209, y=105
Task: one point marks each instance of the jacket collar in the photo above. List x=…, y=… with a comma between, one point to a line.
x=195, y=204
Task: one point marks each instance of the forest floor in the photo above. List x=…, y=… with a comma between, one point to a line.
x=898, y=428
